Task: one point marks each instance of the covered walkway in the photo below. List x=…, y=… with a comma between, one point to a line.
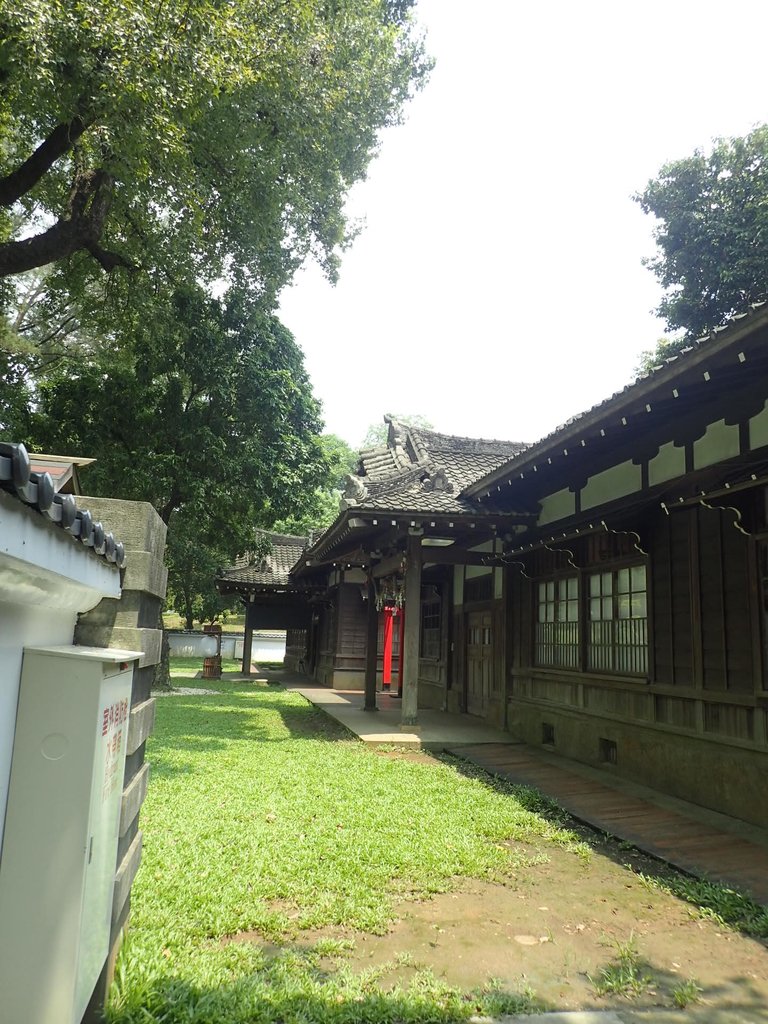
x=437, y=730
x=692, y=838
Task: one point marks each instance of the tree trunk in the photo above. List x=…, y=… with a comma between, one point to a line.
x=162, y=679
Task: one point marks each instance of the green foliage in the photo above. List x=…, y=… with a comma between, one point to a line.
x=199, y=137
x=189, y=146
x=15, y=392
x=686, y=992
x=728, y=907
x=321, y=505
x=712, y=211
x=341, y=459
x=376, y=434
x=263, y=815
x=664, y=349
x=194, y=559
x=624, y=976
x=201, y=407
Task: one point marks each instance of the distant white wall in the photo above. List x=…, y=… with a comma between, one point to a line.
x=266, y=646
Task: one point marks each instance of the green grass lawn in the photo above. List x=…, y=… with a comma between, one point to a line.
x=265, y=815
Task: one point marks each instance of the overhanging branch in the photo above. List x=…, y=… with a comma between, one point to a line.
x=16, y=184
x=89, y=204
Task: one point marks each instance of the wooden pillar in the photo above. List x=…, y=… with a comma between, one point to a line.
x=247, y=641
x=410, y=654
x=400, y=649
x=371, y=648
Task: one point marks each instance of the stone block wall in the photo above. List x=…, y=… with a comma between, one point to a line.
x=131, y=623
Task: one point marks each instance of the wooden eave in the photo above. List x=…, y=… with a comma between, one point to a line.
x=240, y=587
x=709, y=369
x=711, y=486
x=359, y=533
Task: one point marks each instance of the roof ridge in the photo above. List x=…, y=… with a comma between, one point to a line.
x=393, y=483
x=286, y=539
x=472, y=440
x=37, y=491
x=717, y=334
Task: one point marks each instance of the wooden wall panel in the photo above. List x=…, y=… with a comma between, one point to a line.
x=727, y=646
x=458, y=656
x=710, y=553
x=499, y=651
x=740, y=649
x=671, y=600
x=681, y=610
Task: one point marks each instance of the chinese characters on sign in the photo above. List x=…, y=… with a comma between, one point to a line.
x=113, y=719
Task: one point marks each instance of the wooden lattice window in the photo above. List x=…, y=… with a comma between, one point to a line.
x=618, y=621
x=431, y=627
x=479, y=588
x=557, y=623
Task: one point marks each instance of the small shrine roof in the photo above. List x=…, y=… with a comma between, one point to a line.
x=271, y=569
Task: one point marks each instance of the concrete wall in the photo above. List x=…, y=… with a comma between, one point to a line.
x=266, y=646
x=132, y=623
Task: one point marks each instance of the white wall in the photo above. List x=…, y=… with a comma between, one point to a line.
x=266, y=647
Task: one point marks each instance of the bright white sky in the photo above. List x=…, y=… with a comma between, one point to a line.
x=497, y=288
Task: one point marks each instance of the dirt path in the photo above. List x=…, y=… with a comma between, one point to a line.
x=562, y=928
x=557, y=928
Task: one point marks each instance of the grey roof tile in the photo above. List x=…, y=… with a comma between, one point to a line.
x=38, y=491
x=274, y=568
x=394, y=474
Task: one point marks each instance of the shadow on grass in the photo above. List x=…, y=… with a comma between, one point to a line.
x=627, y=980
x=735, y=909
x=292, y=988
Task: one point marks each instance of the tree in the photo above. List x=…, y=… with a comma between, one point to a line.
x=203, y=409
x=662, y=350
x=198, y=137
x=194, y=559
x=712, y=233
x=376, y=434
x=323, y=503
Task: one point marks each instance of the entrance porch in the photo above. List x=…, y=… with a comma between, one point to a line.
x=436, y=729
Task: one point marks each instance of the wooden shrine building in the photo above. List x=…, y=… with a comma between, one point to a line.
x=601, y=592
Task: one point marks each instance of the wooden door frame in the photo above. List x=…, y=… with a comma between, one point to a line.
x=478, y=607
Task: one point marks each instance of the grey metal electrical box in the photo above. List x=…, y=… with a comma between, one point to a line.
x=57, y=867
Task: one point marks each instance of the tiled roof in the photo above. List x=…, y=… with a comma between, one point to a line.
x=272, y=569
x=38, y=491
x=381, y=463
x=421, y=470
x=62, y=468
x=667, y=368
x=414, y=498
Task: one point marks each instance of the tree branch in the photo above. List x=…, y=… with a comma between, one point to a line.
x=89, y=203
x=16, y=184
